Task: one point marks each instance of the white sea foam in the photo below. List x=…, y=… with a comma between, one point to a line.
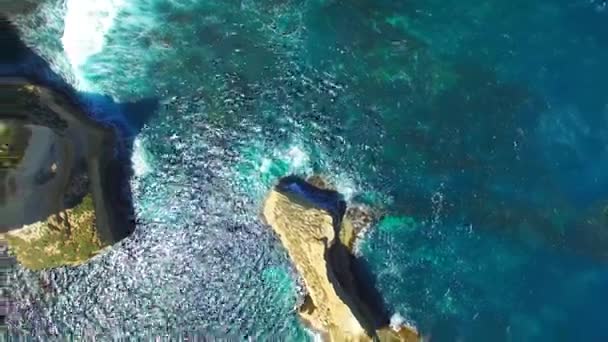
x=357, y=251
x=295, y=156
x=140, y=159
x=397, y=322
x=86, y=26
x=346, y=187
x=265, y=166
x=298, y=158
x=314, y=335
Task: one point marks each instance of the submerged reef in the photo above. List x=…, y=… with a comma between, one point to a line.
x=312, y=226
x=55, y=165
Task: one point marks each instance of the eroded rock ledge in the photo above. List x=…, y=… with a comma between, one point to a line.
x=59, y=203
x=311, y=225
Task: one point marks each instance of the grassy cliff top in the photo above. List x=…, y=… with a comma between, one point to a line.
x=65, y=238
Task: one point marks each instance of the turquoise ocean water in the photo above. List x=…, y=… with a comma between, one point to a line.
x=480, y=129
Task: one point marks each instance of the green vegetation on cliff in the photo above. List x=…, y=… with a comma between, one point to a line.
x=66, y=238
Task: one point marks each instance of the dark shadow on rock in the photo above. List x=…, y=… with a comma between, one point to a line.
x=328, y=200
x=368, y=291
x=125, y=120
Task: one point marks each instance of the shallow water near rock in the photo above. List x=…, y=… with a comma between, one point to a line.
x=478, y=128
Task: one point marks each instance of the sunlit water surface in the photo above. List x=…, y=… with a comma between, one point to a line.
x=479, y=127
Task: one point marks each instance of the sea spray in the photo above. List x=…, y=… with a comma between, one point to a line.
x=86, y=26
x=140, y=158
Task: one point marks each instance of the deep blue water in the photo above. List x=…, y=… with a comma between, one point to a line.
x=479, y=127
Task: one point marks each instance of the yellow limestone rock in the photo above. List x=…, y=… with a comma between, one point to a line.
x=307, y=233
x=312, y=237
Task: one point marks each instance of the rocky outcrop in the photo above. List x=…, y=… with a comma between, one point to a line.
x=311, y=226
x=56, y=165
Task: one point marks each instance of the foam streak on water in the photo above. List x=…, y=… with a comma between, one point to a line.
x=86, y=26
x=140, y=159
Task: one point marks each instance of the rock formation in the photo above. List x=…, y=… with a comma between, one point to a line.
x=311, y=226
x=55, y=168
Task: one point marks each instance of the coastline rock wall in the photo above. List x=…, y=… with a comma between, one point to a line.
x=59, y=200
